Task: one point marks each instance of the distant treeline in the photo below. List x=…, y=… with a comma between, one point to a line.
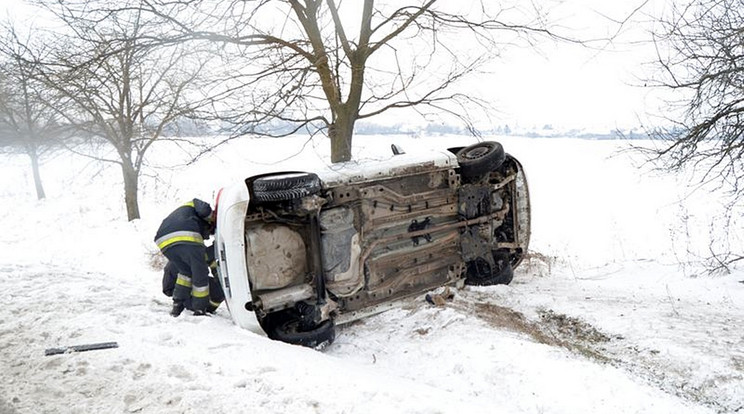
x=194, y=128
x=544, y=132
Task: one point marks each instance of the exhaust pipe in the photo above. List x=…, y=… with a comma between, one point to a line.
x=283, y=298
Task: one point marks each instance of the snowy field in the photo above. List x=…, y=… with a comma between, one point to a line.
x=612, y=312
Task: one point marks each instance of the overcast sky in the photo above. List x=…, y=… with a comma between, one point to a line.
x=574, y=86
x=569, y=86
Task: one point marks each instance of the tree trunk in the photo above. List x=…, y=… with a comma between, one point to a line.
x=131, y=178
x=341, y=133
x=37, y=174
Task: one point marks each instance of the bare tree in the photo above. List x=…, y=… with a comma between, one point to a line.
x=319, y=65
x=118, y=87
x=701, y=57
x=26, y=119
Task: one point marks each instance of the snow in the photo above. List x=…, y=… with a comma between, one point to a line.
x=611, y=312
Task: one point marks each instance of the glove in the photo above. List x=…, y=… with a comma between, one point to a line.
x=178, y=307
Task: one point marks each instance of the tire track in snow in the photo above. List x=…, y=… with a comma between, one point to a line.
x=497, y=361
x=684, y=345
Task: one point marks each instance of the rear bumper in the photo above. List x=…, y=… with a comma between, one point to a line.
x=230, y=254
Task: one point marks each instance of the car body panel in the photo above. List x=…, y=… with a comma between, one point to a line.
x=385, y=231
x=229, y=242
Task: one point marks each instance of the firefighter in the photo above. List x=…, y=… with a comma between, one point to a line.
x=181, y=239
x=216, y=295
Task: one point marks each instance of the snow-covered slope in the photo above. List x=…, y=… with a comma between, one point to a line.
x=609, y=314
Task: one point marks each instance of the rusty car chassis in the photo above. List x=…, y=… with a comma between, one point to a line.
x=301, y=252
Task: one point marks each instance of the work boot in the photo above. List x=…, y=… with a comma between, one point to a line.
x=200, y=312
x=177, y=309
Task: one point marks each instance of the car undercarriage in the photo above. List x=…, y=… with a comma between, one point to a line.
x=321, y=252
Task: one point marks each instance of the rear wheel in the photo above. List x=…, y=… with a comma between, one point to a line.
x=285, y=187
x=287, y=326
x=480, y=159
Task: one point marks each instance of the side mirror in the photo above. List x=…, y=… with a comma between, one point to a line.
x=397, y=150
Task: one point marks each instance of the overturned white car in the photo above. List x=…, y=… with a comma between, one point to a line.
x=300, y=252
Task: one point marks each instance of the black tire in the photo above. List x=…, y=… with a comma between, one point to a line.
x=480, y=273
x=504, y=270
x=480, y=159
x=286, y=327
x=285, y=187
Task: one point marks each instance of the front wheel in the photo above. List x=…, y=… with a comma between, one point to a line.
x=481, y=273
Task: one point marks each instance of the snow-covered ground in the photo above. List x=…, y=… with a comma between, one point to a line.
x=610, y=313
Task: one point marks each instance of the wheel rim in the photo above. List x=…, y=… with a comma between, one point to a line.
x=478, y=152
x=292, y=327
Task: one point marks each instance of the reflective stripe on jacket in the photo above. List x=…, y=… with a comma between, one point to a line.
x=178, y=237
x=186, y=224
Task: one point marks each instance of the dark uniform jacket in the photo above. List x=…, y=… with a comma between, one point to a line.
x=186, y=224
x=181, y=239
